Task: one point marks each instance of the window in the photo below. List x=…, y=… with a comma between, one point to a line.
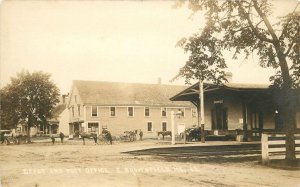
x=164, y=126
x=194, y=112
x=93, y=127
x=75, y=98
x=163, y=112
x=130, y=111
x=94, y=111
x=72, y=111
x=78, y=108
x=147, y=111
x=149, y=127
x=112, y=111
x=182, y=112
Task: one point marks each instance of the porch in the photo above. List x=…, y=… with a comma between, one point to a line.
x=243, y=111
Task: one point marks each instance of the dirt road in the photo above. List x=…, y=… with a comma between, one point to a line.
x=72, y=164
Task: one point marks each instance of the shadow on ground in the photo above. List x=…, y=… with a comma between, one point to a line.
x=216, y=154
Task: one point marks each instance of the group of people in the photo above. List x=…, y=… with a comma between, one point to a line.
x=105, y=134
x=3, y=138
x=61, y=136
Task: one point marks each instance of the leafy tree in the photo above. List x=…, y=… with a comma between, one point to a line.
x=6, y=111
x=245, y=27
x=29, y=98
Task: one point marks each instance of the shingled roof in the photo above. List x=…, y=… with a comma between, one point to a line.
x=128, y=94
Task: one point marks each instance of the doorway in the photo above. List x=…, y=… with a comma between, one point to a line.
x=256, y=123
x=219, y=117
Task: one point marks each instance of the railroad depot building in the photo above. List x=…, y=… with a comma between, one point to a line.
x=120, y=107
x=248, y=107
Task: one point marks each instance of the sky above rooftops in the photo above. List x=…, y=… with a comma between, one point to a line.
x=118, y=41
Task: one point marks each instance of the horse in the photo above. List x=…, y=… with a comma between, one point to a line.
x=164, y=133
x=84, y=135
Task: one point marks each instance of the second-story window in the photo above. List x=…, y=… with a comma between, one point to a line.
x=147, y=111
x=130, y=111
x=163, y=112
x=75, y=98
x=78, y=108
x=112, y=111
x=94, y=111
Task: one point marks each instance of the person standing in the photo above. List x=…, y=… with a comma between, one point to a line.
x=141, y=135
x=61, y=135
x=53, y=139
x=3, y=138
x=95, y=137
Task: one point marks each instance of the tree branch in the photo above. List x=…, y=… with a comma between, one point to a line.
x=254, y=29
x=292, y=44
x=289, y=49
x=266, y=21
x=287, y=24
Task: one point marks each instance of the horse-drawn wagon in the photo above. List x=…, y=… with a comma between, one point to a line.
x=8, y=137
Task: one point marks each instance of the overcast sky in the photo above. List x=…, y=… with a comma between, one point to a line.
x=123, y=41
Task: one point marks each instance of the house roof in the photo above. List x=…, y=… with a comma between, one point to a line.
x=129, y=94
x=191, y=92
x=59, y=109
x=56, y=112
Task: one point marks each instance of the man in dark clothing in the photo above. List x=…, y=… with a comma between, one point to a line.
x=141, y=135
x=107, y=136
x=95, y=137
x=61, y=135
x=53, y=139
x=2, y=138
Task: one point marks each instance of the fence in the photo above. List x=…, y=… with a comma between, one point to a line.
x=273, y=146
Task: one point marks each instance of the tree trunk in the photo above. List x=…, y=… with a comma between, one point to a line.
x=287, y=104
x=29, y=124
x=28, y=133
x=289, y=119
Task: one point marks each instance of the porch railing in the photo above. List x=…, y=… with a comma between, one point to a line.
x=273, y=146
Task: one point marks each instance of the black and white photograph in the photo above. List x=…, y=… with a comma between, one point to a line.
x=143, y=93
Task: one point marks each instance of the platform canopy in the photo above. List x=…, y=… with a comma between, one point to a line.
x=192, y=93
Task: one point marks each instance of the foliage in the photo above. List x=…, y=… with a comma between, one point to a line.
x=205, y=60
x=29, y=98
x=243, y=27
x=8, y=118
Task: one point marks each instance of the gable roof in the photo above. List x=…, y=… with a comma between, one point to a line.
x=128, y=94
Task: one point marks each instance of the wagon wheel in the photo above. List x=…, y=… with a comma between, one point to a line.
x=6, y=141
x=15, y=141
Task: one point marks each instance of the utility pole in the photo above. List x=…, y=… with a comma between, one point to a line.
x=173, y=127
x=201, y=121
